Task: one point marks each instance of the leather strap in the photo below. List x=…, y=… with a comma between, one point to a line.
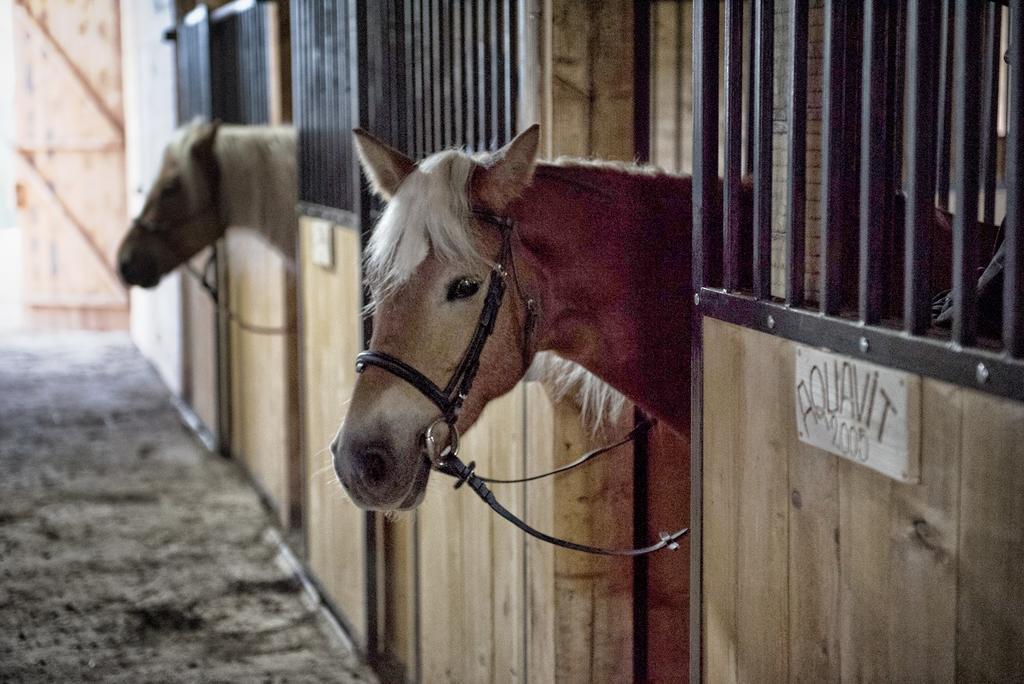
x=451, y=465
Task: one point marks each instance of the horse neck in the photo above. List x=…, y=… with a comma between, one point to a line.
x=608, y=250
x=258, y=183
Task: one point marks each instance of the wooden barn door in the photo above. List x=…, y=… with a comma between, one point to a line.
x=70, y=161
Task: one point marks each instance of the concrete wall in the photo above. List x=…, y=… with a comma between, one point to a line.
x=149, y=120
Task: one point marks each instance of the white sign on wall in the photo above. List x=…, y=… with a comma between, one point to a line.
x=322, y=252
x=865, y=413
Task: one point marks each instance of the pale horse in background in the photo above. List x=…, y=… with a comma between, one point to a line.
x=214, y=176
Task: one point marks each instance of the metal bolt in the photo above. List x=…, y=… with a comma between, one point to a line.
x=696, y=298
x=864, y=345
x=981, y=374
x=771, y=322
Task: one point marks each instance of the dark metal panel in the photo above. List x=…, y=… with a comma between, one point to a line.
x=922, y=59
x=192, y=57
x=764, y=118
x=967, y=111
x=240, y=67
x=796, y=197
x=985, y=370
x=732, y=211
x=874, y=172
x=1013, y=276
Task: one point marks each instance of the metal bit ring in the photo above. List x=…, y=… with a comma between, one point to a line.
x=436, y=455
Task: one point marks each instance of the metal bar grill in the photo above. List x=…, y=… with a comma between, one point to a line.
x=910, y=95
x=192, y=57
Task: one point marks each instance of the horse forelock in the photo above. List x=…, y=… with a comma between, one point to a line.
x=428, y=213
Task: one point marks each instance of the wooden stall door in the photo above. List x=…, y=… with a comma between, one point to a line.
x=331, y=301
x=817, y=568
x=70, y=162
x=264, y=395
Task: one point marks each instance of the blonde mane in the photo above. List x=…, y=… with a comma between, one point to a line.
x=430, y=211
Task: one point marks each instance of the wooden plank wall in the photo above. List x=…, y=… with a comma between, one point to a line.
x=264, y=369
x=818, y=569
x=199, y=350
x=331, y=305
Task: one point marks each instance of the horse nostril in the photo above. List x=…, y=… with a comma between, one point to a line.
x=373, y=466
x=368, y=465
x=138, y=268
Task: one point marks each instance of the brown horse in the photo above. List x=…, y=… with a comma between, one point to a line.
x=603, y=249
x=213, y=176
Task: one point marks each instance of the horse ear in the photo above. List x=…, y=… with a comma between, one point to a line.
x=385, y=166
x=202, y=144
x=509, y=172
x=206, y=135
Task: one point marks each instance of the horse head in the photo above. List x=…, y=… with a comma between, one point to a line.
x=431, y=268
x=179, y=217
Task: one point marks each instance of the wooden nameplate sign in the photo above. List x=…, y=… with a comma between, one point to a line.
x=862, y=412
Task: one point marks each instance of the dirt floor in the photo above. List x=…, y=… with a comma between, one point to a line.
x=127, y=552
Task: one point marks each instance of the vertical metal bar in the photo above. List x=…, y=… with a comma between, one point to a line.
x=873, y=156
x=496, y=57
x=705, y=181
x=967, y=111
x=458, y=130
x=764, y=118
x=732, y=211
x=990, y=107
x=444, y=67
x=512, y=65
x=896, y=50
x=679, y=112
x=1013, y=274
x=922, y=22
x=642, y=78
x=436, y=76
x=748, y=168
x=483, y=92
x=945, y=107
x=641, y=475
x=472, y=76
x=796, y=197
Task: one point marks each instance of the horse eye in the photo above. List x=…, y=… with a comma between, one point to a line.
x=170, y=188
x=461, y=288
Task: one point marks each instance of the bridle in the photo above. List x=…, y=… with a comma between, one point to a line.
x=450, y=398
x=203, y=278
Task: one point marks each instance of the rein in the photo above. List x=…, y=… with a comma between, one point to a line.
x=451, y=397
